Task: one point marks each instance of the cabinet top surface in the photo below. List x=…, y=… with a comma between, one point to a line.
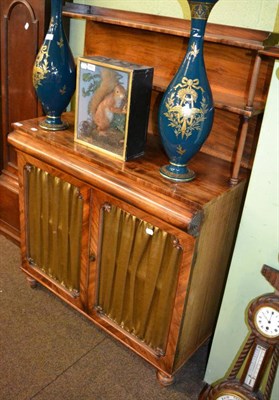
x=141, y=174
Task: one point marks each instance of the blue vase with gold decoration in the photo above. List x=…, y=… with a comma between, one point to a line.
x=54, y=72
x=186, y=110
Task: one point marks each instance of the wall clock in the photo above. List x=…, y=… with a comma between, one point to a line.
x=252, y=375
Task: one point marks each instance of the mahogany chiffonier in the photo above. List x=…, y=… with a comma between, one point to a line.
x=144, y=258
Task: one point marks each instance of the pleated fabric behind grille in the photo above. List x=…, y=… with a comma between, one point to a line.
x=138, y=274
x=54, y=210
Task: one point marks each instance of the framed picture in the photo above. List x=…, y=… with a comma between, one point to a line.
x=112, y=106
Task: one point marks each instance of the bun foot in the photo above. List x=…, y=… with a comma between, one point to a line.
x=164, y=380
x=32, y=282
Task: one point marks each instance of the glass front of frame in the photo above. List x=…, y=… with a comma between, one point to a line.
x=102, y=107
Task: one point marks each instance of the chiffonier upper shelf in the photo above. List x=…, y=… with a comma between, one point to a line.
x=238, y=70
x=179, y=30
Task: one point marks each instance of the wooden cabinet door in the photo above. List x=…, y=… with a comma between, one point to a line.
x=138, y=282
x=54, y=218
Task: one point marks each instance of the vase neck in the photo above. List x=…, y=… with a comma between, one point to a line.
x=200, y=11
x=56, y=10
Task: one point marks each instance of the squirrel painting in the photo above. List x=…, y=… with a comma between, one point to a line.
x=108, y=99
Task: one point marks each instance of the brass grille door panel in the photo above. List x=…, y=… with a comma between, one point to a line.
x=54, y=210
x=138, y=272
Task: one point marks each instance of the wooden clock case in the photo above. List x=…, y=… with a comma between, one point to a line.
x=23, y=24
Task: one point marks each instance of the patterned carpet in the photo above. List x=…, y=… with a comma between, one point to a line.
x=48, y=351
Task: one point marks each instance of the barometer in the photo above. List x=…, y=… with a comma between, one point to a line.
x=260, y=354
